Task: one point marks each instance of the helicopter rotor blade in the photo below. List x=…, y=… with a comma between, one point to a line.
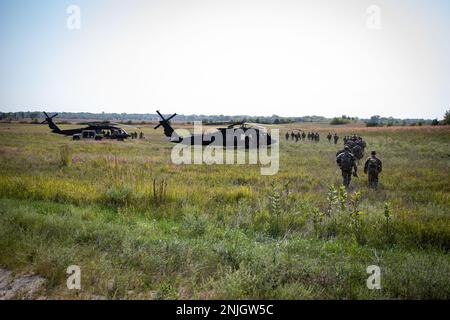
x=234, y=124
x=124, y=125
x=157, y=111
x=46, y=115
x=171, y=117
x=164, y=120
x=53, y=116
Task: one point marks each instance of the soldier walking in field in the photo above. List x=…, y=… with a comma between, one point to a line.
x=292, y=135
x=329, y=136
x=287, y=136
x=303, y=135
x=336, y=138
x=357, y=151
x=347, y=163
x=373, y=168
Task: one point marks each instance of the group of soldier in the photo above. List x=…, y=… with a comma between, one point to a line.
x=302, y=135
x=296, y=135
x=134, y=135
x=356, y=144
x=311, y=136
x=334, y=136
x=347, y=160
x=314, y=136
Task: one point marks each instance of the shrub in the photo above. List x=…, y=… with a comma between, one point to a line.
x=65, y=156
x=281, y=214
x=118, y=196
x=195, y=225
x=339, y=121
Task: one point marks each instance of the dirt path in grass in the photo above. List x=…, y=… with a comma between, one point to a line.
x=25, y=286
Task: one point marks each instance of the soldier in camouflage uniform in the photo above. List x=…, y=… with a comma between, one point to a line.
x=350, y=143
x=329, y=136
x=336, y=138
x=361, y=142
x=347, y=163
x=345, y=139
x=358, y=151
x=287, y=135
x=373, y=168
x=303, y=135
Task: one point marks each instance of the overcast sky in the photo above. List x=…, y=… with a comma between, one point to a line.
x=263, y=57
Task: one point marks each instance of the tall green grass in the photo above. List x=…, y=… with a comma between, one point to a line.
x=141, y=227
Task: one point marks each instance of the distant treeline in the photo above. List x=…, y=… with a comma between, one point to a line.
x=133, y=117
x=377, y=121
x=374, y=121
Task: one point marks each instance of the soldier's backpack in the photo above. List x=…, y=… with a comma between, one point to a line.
x=357, y=151
x=346, y=161
x=372, y=165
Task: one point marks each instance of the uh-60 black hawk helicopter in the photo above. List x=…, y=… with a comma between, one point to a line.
x=237, y=135
x=94, y=130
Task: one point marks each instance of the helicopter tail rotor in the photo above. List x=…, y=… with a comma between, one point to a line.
x=164, y=121
x=49, y=120
x=168, y=130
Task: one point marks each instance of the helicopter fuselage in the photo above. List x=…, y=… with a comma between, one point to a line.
x=227, y=137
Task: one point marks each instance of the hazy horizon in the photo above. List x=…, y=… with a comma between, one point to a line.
x=289, y=58
x=187, y=115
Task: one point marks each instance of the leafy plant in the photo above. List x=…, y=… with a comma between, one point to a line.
x=275, y=210
x=356, y=223
x=388, y=219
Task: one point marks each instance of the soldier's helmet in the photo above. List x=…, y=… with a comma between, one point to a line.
x=346, y=147
x=373, y=153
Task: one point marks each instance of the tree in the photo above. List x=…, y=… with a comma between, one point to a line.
x=338, y=121
x=374, y=121
x=447, y=118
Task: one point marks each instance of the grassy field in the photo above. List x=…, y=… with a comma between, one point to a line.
x=142, y=228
